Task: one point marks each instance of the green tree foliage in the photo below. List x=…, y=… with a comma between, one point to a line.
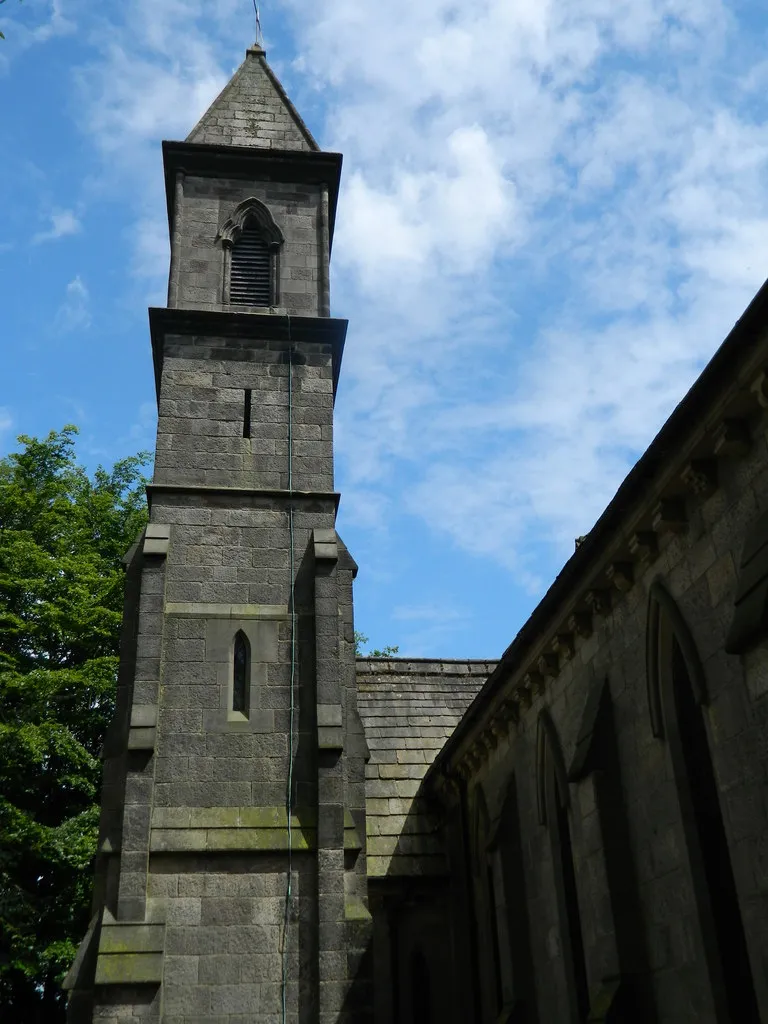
x=63, y=534
x=385, y=652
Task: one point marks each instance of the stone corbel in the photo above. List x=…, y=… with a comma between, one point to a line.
x=476, y=755
x=700, y=477
x=670, y=516
x=511, y=710
x=548, y=665
x=499, y=728
x=563, y=644
x=534, y=680
x=759, y=388
x=580, y=623
x=732, y=439
x=599, y=601
x=644, y=545
x=622, y=575
x=523, y=696
x=489, y=740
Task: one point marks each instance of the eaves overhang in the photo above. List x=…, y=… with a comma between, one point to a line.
x=270, y=327
x=730, y=366
x=248, y=162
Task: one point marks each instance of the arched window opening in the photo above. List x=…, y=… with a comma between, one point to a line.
x=486, y=921
x=421, y=995
x=565, y=882
x=724, y=929
x=250, y=276
x=241, y=675
x=597, y=766
x=521, y=984
x=251, y=240
x=493, y=927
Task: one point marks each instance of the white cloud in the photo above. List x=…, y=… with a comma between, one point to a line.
x=22, y=36
x=452, y=218
x=56, y=25
x=631, y=238
x=75, y=311
x=63, y=223
x=552, y=212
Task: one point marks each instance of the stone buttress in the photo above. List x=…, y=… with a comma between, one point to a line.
x=230, y=879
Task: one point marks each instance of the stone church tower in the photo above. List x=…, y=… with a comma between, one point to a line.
x=231, y=881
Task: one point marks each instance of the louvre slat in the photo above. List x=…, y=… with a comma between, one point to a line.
x=249, y=282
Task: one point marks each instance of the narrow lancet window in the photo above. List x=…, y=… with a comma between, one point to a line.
x=709, y=828
x=241, y=679
x=554, y=783
x=677, y=686
x=578, y=966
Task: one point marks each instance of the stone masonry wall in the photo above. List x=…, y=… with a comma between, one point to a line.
x=224, y=932
x=208, y=203
x=224, y=558
x=201, y=416
x=699, y=569
x=252, y=111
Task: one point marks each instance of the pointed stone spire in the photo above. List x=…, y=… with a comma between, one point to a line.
x=253, y=110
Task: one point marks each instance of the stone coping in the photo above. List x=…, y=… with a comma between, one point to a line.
x=228, y=829
x=423, y=666
x=227, y=611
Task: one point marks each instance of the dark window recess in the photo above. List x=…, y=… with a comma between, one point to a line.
x=718, y=869
x=250, y=272
x=571, y=901
x=247, y=413
x=242, y=673
x=494, y=926
x=421, y=995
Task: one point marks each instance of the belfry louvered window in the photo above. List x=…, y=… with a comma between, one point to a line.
x=251, y=241
x=250, y=282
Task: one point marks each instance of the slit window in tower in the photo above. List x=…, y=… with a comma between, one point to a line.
x=241, y=677
x=247, y=413
x=250, y=279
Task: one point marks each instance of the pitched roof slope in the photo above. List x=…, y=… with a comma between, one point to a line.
x=253, y=110
x=408, y=709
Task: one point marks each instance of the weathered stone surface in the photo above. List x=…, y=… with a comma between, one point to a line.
x=408, y=709
x=253, y=110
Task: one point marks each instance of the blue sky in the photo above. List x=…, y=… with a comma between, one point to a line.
x=552, y=213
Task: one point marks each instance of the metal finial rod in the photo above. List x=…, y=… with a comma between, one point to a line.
x=259, y=33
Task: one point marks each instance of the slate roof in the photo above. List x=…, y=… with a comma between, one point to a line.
x=408, y=708
x=253, y=110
